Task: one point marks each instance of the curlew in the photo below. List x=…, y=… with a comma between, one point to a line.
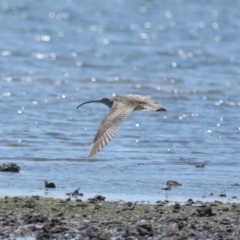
x=120, y=108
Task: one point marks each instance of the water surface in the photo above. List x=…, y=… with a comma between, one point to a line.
x=184, y=54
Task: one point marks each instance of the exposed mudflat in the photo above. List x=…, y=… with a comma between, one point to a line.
x=48, y=218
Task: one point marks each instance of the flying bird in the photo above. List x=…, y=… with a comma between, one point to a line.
x=120, y=108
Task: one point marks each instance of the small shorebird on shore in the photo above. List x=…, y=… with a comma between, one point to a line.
x=121, y=107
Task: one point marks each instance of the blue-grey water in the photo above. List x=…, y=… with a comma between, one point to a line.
x=185, y=54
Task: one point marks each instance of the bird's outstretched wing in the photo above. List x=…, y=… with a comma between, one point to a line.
x=109, y=126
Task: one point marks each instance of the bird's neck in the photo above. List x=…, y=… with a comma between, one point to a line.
x=108, y=103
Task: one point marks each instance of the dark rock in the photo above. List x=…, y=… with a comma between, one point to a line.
x=100, y=198
x=222, y=195
x=29, y=204
x=34, y=218
x=200, y=165
x=172, y=183
x=49, y=185
x=181, y=225
x=225, y=209
x=97, y=198
x=75, y=193
x=192, y=226
x=225, y=221
x=103, y=236
x=167, y=188
x=46, y=228
x=10, y=167
x=176, y=206
x=43, y=236
x=97, y=206
x=159, y=204
x=58, y=229
x=190, y=201
x=205, y=211
x=36, y=197
x=33, y=228
x=128, y=206
x=145, y=229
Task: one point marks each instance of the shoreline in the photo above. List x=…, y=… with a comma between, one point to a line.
x=172, y=196
x=95, y=218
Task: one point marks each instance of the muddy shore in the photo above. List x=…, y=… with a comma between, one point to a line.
x=48, y=218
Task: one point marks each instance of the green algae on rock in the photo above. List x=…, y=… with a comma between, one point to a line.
x=9, y=167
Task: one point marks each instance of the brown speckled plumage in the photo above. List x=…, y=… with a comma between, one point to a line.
x=121, y=107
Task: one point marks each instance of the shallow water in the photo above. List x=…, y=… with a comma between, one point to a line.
x=184, y=54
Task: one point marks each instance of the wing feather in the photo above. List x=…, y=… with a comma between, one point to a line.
x=109, y=126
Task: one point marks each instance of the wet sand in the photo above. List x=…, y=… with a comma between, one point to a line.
x=49, y=218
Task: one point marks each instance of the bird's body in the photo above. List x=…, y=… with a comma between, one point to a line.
x=121, y=107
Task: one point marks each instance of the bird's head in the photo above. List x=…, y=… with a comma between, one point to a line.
x=107, y=102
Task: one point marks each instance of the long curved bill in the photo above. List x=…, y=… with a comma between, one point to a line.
x=88, y=102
